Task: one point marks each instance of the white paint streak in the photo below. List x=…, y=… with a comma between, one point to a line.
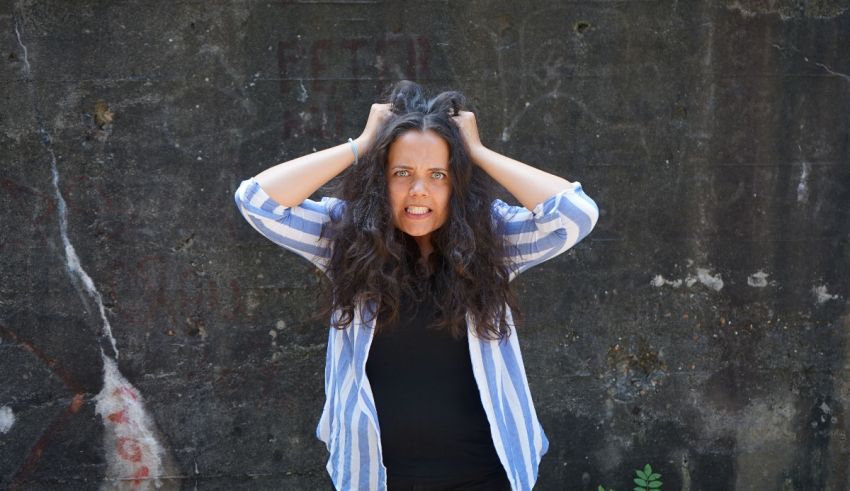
x=7, y=419
x=784, y=12
x=758, y=279
x=803, y=187
x=736, y=6
x=703, y=276
x=822, y=295
x=302, y=93
x=660, y=281
x=708, y=280
x=71, y=258
x=137, y=459
x=740, y=8
x=21, y=43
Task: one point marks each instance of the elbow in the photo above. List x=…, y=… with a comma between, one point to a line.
x=588, y=208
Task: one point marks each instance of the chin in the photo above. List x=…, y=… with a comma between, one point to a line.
x=415, y=233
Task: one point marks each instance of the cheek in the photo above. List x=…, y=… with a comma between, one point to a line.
x=446, y=203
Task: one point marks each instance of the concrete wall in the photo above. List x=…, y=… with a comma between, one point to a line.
x=701, y=328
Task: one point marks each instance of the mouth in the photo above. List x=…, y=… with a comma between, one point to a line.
x=415, y=212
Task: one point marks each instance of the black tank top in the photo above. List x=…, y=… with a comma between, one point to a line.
x=430, y=414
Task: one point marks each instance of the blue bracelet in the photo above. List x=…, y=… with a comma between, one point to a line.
x=354, y=147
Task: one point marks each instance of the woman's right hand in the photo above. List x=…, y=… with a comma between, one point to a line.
x=377, y=115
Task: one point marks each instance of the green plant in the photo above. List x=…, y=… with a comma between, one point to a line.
x=646, y=480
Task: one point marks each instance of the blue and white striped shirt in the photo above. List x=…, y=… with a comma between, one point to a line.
x=349, y=421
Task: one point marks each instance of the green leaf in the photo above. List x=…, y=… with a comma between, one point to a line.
x=654, y=476
x=655, y=484
x=641, y=474
x=639, y=489
x=639, y=482
x=600, y=489
x=647, y=469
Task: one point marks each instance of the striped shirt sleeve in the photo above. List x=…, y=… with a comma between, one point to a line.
x=295, y=228
x=552, y=227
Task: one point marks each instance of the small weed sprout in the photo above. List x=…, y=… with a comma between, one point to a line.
x=646, y=480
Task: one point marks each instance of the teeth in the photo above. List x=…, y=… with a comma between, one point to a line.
x=417, y=210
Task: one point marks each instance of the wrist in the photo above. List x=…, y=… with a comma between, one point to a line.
x=477, y=153
x=354, y=147
x=363, y=142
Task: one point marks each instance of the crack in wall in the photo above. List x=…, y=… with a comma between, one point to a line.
x=831, y=72
x=806, y=59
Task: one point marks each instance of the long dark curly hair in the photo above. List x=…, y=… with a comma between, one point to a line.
x=373, y=260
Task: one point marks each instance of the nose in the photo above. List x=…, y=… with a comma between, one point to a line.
x=418, y=188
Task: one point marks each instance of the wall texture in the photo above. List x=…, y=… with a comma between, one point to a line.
x=147, y=331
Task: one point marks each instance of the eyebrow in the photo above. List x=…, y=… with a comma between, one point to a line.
x=402, y=166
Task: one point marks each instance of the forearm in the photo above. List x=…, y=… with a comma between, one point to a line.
x=529, y=185
x=291, y=182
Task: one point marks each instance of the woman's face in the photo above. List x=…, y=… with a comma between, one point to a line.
x=418, y=184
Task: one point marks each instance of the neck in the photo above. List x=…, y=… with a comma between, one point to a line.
x=425, y=247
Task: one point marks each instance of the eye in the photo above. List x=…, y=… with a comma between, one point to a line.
x=438, y=173
x=398, y=172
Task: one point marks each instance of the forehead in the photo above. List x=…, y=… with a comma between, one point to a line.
x=419, y=148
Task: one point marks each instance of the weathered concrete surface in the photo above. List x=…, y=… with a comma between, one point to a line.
x=701, y=328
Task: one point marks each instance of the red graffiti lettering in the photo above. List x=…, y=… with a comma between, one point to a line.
x=142, y=472
x=129, y=449
x=120, y=417
x=125, y=390
x=321, y=61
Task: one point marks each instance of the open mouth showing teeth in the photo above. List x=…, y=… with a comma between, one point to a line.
x=417, y=210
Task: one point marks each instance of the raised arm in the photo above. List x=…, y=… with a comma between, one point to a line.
x=529, y=185
x=291, y=182
x=555, y=214
x=276, y=202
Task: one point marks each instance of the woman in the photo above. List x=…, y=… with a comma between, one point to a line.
x=424, y=380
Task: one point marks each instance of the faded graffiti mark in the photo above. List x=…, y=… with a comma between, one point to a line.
x=170, y=288
x=135, y=456
x=324, y=63
x=55, y=426
x=51, y=363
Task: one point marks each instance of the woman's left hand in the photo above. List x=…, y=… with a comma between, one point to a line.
x=469, y=130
